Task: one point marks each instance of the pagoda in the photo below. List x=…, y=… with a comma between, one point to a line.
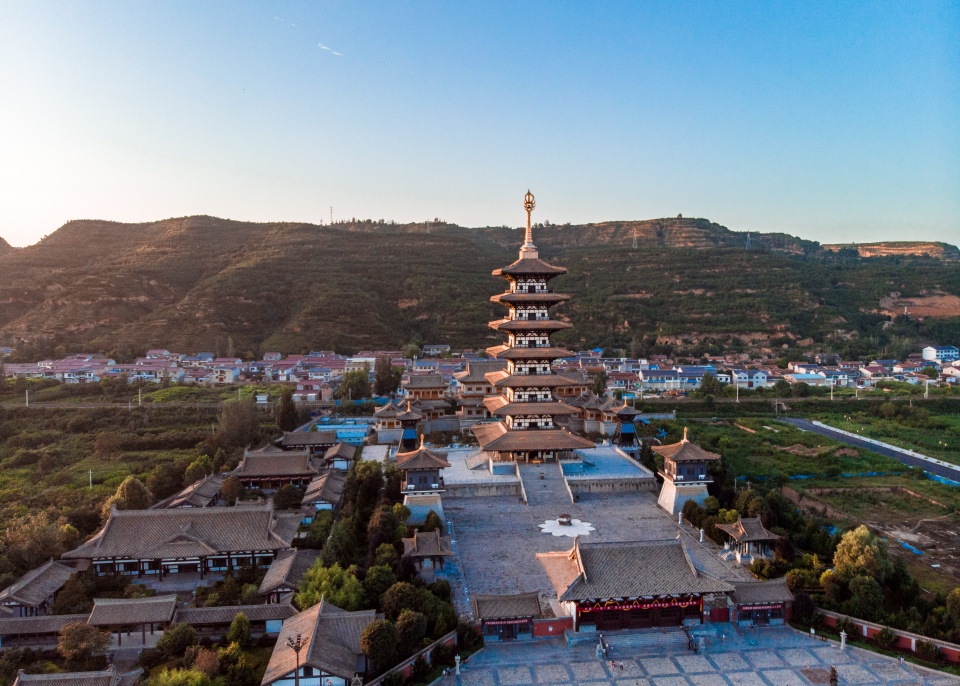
x=526, y=405
x=685, y=475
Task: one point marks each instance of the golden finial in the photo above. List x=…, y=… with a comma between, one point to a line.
x=528, y=204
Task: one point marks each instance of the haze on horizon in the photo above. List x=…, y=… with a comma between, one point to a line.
x=831, y=121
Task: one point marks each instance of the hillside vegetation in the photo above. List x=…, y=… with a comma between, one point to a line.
x=201, y=283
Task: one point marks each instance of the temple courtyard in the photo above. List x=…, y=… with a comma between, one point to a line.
x=496, y=539
x=761, y=657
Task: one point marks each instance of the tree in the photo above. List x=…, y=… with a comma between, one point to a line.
x=354, y=385
x=953, y=607
x=207, y=661
x=866, y=599
x=239, y=631
x=334, y=584
x=411, y=628
x=78, y=641
x=232, y=489
x=239, y=423
x=600, y=383
x=384, y=527
x=198, y=469
x=782, y=389
x=386, y=554
x=288, y=497
x=30, y=541
x=341, y=545
x=379, y=578
x=432, y=522
x=180, y=677
x=165, y=479
x=709, y=386
x=862, y=553
x=176, y=639
x=287, y=414
x=386, y=376
x=131, y=495
x=399, y=597
x=379, y=642
x=107, y=445
x=929, y=371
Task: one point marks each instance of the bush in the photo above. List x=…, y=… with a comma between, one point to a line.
x=176, y=640
x=885, y=638
x=929, y=651
x=442, y=655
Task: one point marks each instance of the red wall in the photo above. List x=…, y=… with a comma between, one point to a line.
x=542, y=627
x=720, y=614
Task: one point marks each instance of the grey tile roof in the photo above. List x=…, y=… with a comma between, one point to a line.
x=476, y=372
x=427, y=544
x=628, y=569
x=773, y=591
x=198, y=494
x=327, y=487
x=529, y=266
x=496, y=437
x=223, y=616
x=109, y=677
x=127, y=611
x=49, y=624
x=287, y=570
x=275, y=463
x=685, y=451
x=331, y=638
x=504, y=606
x=424, y=381
x=187, y=532
x=422, y=458
x=343, y=451
x=37, y=585
x=298, y=439
x=749, y=529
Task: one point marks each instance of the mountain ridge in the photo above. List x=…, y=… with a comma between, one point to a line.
x=193, y=283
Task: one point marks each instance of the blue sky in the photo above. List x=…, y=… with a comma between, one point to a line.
x=832, y=121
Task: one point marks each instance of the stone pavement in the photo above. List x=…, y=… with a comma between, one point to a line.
x=764, y=657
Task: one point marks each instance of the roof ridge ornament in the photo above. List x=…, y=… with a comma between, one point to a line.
x=529, y=249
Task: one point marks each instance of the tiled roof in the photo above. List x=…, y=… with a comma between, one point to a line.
x=626, y=570
x=685, y=451
x=476, y=372
x=109, y=677
x=409, y=414
x=496, y=437
x=298, y=439
x=773, y=591
x=275, y=463
x=529, y=265
x=505, y=352
x=126, y=611
x=749, y=529
x=327, y=487
x=343, y=451
x=187, y=532
x=499, y=406
x=223, y=616
x=387, y=411
x=427, y=544
x=422, y=458
x=504, y=606
x=528, y=325
x=48, y=624
x=424, y=381
x=37, y=585
x=503, y=379
x=331, y=639
x=288, y=569
x=198, y=494
x=545, y=298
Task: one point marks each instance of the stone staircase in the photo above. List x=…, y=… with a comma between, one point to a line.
x=646, y=642
x=551, y=490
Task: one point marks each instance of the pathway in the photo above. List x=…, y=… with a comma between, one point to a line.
x=551, y=489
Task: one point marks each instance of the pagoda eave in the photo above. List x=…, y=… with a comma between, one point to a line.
x=511, y=298
x=503, y=379
x=505, y=352
x=529, y=325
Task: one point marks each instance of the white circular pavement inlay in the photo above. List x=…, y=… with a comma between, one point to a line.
x=574, y=528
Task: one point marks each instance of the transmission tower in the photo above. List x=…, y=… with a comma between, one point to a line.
x=749, y=242
x=634, y=237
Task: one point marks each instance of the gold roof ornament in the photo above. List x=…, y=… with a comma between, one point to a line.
x=529, y=249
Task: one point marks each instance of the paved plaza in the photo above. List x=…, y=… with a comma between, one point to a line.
x=497, y=538
x=763, y=657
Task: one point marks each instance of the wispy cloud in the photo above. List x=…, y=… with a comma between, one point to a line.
x=329, y=49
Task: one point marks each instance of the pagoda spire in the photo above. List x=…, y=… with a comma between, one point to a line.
x=529, y=249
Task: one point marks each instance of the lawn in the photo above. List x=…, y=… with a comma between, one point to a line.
x=938, y=436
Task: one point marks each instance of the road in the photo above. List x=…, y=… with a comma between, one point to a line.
x=947, y=472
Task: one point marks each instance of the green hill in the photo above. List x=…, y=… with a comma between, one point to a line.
x=201, y=283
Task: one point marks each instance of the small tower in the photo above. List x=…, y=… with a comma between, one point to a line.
x=625, y=434
x=684, y=474
x=421, y=469
x=409, y=420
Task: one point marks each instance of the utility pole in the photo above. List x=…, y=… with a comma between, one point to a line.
x=28, y=397
x=91, y=479
x=831, y=389
x=139, y=397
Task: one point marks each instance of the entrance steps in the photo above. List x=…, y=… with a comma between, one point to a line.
x=544, y=485
x=647, y=642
